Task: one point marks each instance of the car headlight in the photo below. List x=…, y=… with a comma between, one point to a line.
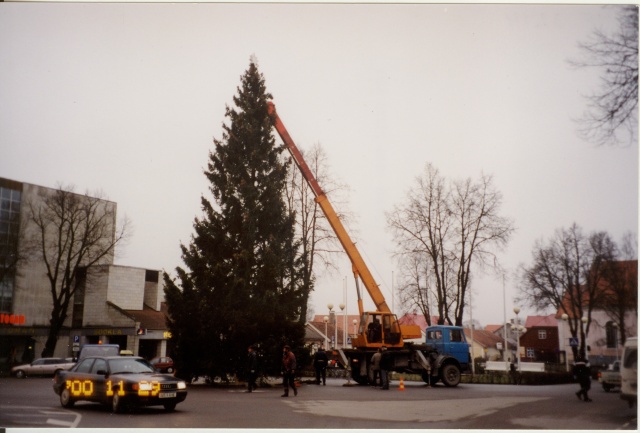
x=182, y=385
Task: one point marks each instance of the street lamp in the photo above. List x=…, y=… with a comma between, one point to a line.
x=564, y=317
x=517, y=328
x=584, y=321
x=344, y=324
x=332, y=315
x=615, y=329
x=325, y=319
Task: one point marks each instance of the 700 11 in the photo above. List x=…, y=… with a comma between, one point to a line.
x=86, y=388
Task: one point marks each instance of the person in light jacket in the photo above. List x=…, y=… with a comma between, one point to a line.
x=375, y=367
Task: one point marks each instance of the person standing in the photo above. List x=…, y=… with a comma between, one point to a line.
x=385, y=365
x=288, y=371
x=252, y=369
x=582, y=372
x=375, y=367
x=320, y=361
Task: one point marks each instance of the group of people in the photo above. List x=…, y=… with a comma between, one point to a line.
x=288, y=370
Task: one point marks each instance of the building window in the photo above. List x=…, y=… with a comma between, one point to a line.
x=542, y=334
x=10, y=200
x=612, y=335
x=531, y=353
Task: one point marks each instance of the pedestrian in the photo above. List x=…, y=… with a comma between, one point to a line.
x=252, y=369
x=386, y=363
x=582, y=373
x=320, y=361
x=375, y=367
x=288, y=371
x=512, y=372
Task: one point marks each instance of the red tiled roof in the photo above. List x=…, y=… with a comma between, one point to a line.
x=493, y=328
x=540, y=321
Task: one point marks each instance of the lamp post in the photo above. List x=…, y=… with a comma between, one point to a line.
x=355, y=332
x=615, y=329
x=565, y=317
x=325, y=319
x=344, y=324
x=517, y=328
x=332, y=315
x=584, y=321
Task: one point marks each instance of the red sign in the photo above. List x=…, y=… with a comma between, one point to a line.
x=13, y=319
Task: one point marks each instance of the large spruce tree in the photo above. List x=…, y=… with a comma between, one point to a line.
x=242, y=285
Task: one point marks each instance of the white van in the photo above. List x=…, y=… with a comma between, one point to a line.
x=629, y=371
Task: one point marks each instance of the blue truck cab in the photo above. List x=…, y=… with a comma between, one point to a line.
x=449, y=342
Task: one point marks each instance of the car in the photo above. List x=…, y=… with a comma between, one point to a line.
x=610, y=378
x=163, y=364
x=118, y=381
x=98, y=350
x=629, y=372
x=41, y=367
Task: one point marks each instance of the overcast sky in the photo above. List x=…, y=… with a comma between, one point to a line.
x=127, y=98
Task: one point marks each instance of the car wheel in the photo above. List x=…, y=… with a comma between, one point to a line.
x=21, y=374
x=117, y=405
x=170, y=370
x=607, y=387
x=65, y=398
x=170, y=407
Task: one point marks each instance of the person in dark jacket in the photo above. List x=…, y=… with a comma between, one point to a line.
x=320, y=361
x=582, y=372
x=386, y=364
x=252, y=369
x=288, y=371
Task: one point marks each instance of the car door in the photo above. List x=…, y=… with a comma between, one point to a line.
x=101, y=387
x=37, y=367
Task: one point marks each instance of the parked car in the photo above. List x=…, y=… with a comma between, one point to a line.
x=120, y=382
x=41, y=367
x=163, y=364
x=610, y=378
x=629, y=371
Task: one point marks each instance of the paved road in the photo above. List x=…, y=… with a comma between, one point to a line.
x=32, y=403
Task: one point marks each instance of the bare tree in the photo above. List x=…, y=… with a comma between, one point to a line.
x=621, y=283
x=567, y=274
x=450, y=227
x=611, y=116
x=71, y=232
x=317, y=238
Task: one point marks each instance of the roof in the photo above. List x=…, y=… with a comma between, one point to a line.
x=541, y=321
x=629, y=268
x=483, y=337
x=493, y=328
x=150, y=318
x=417, y=319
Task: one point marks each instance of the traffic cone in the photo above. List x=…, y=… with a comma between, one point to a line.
x=401, y=387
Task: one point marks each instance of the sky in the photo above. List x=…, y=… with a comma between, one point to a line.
x=127, y=99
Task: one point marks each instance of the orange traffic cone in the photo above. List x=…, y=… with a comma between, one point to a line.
x=401, y=387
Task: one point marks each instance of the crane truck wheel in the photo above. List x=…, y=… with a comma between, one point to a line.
x=450, y=375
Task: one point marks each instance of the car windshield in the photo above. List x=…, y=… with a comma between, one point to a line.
x=129, y=365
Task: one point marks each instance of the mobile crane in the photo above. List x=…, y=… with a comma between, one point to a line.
x=435, y=360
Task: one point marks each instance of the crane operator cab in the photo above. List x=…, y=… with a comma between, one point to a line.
x=380, y=328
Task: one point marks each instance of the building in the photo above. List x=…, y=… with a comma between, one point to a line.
x=603, y=337
x=540, y=341
x=111, y=304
